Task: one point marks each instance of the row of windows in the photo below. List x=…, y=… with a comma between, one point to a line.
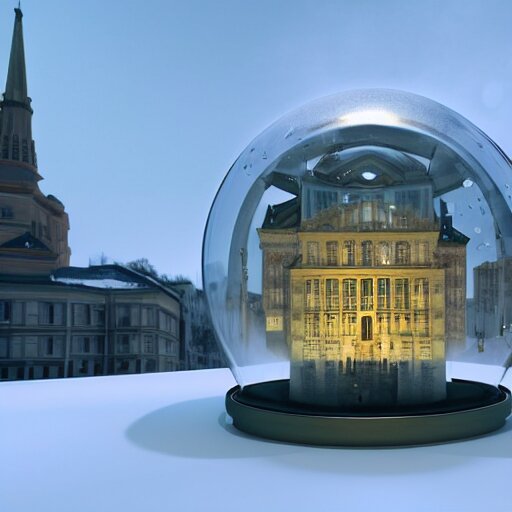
x=131, y=316
x=371, y=207
x=49, y=346
x=127, y=366
x=54, y=313
x=367, y=253
x=54, y=346
x=333, y=325
x=365, y=294
x=331, y=355
x=129, y=343
x=86, y=367
x=50, y=313
x=32, y=346
x=32, y=372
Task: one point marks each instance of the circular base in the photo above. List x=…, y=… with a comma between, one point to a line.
x=470, y=409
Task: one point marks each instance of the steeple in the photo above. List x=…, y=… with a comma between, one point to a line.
x=16, y=142
x=33, y=227
x=16, y=86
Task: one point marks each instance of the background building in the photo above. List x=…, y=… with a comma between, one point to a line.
x=492, y=304
x=60, y=321
x=33, y=227
x=198, y=339
x=80, y=322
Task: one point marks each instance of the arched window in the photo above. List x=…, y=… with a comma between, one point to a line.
x=312, y=253
x=366, y=328
x=349, y=252
x=403, y=253
x=423, y=253
x=383, y=255
x=367, y=247
x=332, y=253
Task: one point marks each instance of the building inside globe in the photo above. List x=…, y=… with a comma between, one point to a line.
x=364, y=280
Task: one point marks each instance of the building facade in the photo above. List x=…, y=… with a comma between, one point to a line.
x=198, y=339
x=104, y=320
x=360, y=324
x=492, y=303
x=354, y=287
x=33, y=226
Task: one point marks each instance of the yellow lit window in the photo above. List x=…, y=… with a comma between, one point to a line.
x=332, y=294
x=383, y=293
x=331, y=325
x=367, y=253
x=312, y=325
x=349, y=324
x=383, y=255
x=366, y=328
x=402, y=297
x=312, y=253
x=421, y=298
x=312, y=294
x=349, y=294
x=332, y=253
x=349, y=252
x=366, y=294
x=403, y=253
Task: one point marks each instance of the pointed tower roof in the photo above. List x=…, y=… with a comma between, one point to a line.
x=17, y=149
x=16, y=86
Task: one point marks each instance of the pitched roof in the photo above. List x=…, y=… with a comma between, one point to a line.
x=282, y=216
x=25, y=241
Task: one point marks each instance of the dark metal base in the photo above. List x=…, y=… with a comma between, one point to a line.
x=470, y=409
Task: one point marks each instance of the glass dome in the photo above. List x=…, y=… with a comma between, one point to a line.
x=361, y=247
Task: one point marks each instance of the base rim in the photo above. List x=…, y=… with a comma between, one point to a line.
x=371, y=430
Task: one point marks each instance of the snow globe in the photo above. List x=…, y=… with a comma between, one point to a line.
x=357, y=263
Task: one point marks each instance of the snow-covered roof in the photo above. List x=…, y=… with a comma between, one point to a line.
x=114, y=277
x=99, y=283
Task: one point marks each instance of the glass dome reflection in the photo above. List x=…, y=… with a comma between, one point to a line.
x=358, y=244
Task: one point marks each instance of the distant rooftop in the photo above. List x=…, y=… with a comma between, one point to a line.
x=113, y=277
x=101, y=276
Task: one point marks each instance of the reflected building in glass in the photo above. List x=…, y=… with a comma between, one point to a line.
x=355, y=271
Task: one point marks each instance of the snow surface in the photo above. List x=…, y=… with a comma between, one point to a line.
x=162, y=441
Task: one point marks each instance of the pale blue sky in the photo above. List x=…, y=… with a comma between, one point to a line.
x=142, y=106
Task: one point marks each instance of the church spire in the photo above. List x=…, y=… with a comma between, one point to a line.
x=16, y=86
x=16, y=142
